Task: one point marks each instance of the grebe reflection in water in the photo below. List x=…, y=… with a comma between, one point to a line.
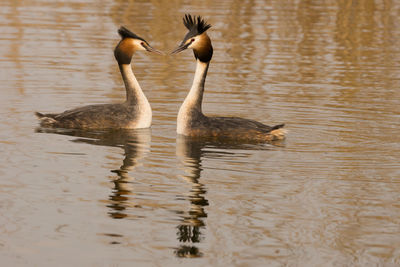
x=135, y=144
x=192, y=222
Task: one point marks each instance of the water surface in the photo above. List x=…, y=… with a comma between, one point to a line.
x=327, y=196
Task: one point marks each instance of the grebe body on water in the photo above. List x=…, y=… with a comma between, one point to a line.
x=135, y=112
x=191, y=121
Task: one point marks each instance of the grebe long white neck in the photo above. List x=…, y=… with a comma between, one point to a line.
x=135, y=96
x=195, y=96
x=191, y=107
x=134, y=93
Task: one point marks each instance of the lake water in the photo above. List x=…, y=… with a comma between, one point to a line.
x=327, y=196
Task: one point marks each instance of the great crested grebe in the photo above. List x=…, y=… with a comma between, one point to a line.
x=135, y=112
x=191, y=120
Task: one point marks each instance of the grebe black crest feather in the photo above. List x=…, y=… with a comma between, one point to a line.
x=196, y=25
x=125, y=33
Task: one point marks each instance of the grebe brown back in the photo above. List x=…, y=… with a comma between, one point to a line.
x=191, y=120
x=135, y=112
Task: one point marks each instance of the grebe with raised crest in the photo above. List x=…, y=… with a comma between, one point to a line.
x=191, y=121
x=134, y=113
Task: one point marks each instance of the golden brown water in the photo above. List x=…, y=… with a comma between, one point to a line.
x=328, y=196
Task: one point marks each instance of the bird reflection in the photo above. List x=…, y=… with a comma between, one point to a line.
x=136, y=144
x=136, y=148
x=191, y=151
x=189, y=233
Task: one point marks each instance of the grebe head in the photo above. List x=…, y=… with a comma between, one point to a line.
x=130, y=43
x=197, y=38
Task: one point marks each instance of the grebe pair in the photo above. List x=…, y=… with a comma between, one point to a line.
x=136, y=112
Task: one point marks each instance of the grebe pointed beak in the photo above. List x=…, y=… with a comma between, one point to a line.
x=151, y=49
x=180, y=48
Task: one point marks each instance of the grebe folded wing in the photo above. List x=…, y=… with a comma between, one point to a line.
x=241, y=123
x=100, y=116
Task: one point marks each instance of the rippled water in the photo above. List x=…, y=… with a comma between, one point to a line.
x=327, y=196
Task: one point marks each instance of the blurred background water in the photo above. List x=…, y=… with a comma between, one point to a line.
x=327, y=196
